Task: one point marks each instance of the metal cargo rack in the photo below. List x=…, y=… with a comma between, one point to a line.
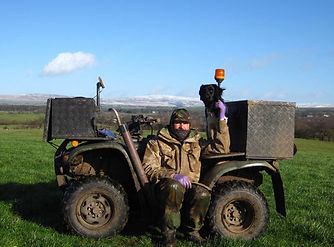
x=262, y=129
x=70, y=118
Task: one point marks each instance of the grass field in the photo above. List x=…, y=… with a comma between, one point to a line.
x=30, y=203
x=17, y=120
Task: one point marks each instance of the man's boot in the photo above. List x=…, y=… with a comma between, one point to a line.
x=168, y=238
x=195, y=237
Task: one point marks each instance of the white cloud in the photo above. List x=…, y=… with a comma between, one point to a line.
x=67, y=62
x=306, y=66
x=264, y=61
x=158, y=89
x=275, y=95
x=234, y=65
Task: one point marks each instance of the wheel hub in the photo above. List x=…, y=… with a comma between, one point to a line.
x=95, y=210
x=237, y=216
x=233, y=215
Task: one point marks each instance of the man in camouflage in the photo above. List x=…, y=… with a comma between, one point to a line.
x=172, y=162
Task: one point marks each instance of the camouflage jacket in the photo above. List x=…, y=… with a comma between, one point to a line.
x=165, y=156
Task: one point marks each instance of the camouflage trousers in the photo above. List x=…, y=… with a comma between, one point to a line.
x=181, y=206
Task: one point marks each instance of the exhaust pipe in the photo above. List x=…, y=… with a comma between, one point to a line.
x=146, y=195
x=132, y=151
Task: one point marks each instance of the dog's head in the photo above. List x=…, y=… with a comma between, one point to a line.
x=210, y=94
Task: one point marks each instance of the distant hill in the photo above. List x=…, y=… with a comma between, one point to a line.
x=147, y=100
x=27, y=99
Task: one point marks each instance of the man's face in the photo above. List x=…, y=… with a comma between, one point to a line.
x=181, y=126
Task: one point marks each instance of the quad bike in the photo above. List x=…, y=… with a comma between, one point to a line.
x=103, y=182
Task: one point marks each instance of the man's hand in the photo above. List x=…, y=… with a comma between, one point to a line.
x=222, y=108
x=184, y=180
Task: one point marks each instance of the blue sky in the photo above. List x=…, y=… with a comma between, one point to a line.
x=270, y=50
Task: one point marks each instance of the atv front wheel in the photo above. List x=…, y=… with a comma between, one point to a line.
x=238, y=210
x=95, y=207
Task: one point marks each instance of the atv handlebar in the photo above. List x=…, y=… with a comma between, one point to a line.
x=136, y=121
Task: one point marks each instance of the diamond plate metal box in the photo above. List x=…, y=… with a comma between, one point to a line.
x=70, y=118
x=262, y=129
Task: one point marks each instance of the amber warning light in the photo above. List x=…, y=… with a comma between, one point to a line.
x=75, y=143
x=219, y=76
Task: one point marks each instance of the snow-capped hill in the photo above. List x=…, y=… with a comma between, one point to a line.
x=146, y=100
x=27, y=99
x=154, y=100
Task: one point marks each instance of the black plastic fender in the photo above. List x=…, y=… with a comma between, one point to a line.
x=212, y=175
x=278, y=193
x=60, y=169
x=96, y=146
x=99, y=145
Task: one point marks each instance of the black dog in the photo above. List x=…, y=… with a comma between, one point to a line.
x=210, y=94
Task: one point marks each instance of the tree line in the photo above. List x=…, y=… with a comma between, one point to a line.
x=315, y=123
x=310, y=123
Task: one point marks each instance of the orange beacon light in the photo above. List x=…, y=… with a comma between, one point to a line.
x=219, y=76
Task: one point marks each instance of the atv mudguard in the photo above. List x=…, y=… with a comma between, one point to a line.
x=61, y=168
x=212, y=175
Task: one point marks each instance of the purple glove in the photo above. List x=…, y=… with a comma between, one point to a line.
x=222, y=108
x=184, y=180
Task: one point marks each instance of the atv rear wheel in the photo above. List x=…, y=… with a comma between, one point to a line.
x=95, y=207
x=238, y=210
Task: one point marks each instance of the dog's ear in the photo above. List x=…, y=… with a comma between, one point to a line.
x=218, y=92
x=202, y=91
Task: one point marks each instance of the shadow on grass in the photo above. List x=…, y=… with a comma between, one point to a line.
x=40, y=203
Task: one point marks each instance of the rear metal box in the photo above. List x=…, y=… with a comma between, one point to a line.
x=262, y=129
x=70, y=118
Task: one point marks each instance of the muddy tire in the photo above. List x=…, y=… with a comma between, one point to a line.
x=238, y=210
x=95, y=207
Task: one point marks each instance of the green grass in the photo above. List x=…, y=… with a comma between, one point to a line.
x=314, y=146
x=30, y=203
x=20, y=119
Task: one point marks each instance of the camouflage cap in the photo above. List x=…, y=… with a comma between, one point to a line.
x=180, y=115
